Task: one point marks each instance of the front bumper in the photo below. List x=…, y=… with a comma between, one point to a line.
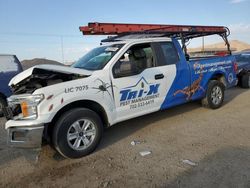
x=25, y=137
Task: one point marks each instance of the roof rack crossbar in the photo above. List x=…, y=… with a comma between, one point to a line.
x=155, y=34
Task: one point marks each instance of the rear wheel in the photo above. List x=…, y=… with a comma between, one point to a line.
x=245, y=80
x=3, y=103
x=77, y=133
x=215, y=95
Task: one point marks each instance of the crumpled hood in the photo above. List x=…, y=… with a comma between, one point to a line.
x=55, y=68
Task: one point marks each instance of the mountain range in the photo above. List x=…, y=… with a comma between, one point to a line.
x=235, y=45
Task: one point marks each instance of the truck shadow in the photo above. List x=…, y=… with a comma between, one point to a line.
x=124, y=129
x=112, y=134
x=228, y=167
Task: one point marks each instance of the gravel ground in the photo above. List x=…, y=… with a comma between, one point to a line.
x=216, y=141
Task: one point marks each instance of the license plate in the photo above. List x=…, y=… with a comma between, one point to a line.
x=7, y=112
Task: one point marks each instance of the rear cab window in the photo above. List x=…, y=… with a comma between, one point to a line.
x=170, y=53
x=166, y=53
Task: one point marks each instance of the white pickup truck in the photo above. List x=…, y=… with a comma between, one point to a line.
x=117, y=81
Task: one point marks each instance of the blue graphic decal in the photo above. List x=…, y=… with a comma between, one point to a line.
x=192, y=78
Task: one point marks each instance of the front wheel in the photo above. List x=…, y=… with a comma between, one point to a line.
x=215, y=95
x=77, y=133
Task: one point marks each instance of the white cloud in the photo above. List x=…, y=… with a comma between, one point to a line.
x=73, y=53
x=237, y=1
x=240, y=32
x=76, y=50
x=240, y=28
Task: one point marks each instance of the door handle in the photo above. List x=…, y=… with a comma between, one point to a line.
x=159, y=76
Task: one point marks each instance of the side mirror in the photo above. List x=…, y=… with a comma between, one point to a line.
x=187, y=57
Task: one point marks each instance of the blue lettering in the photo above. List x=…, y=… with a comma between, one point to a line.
x=124, y=94
x=129, y=94
x=140, y=93
x=132, y=95
x=153, y=89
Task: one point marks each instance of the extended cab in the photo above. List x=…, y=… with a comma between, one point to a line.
x=121, y=79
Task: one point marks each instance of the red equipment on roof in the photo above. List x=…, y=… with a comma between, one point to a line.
x=96, y=28
x=182, y=32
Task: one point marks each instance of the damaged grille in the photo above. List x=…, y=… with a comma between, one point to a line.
x=12, y=111
x=42, y=78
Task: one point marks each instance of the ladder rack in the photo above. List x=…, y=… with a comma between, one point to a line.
x=181, y=32
x=95, y=28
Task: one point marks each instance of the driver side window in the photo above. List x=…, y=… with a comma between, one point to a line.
x=136, y=59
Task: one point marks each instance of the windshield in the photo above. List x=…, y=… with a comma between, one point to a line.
x=97, y=58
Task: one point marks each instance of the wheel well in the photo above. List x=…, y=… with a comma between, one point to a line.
x=83, y=103
x=220, y=77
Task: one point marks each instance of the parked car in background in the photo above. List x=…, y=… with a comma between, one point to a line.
x=243, y=63
x=10, y=66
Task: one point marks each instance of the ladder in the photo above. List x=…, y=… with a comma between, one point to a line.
x=95, y=28
x=180, y=32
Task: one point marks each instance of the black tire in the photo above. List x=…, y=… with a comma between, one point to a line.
x=211, y=100
x=61, y=131
x=245, y=80
x=2, y=104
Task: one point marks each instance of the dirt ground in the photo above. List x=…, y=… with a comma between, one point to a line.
x=217, y=141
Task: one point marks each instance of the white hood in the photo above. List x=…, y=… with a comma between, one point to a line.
x=56, y=68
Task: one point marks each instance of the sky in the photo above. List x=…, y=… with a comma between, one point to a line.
x=50, y=28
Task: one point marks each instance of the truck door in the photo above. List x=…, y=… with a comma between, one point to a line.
x=171, y=54
x=140, y=85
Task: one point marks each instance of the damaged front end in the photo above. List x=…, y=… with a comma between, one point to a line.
x=24, y=127
x=23, y=103
x=42, y=78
